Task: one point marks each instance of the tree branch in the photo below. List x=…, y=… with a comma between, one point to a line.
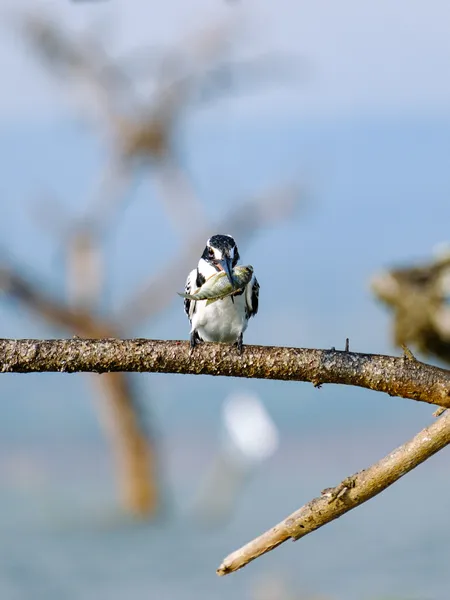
x=396, y=376
x=27, y=292
x=349, y=494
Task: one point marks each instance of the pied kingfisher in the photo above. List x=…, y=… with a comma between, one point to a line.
x=224, y=320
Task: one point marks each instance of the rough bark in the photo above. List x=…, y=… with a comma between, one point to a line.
x=397, y=376
x=349, y=494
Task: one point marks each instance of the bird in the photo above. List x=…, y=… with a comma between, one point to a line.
x=226, y=319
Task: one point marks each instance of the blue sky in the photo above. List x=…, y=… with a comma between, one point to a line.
x=363, y=57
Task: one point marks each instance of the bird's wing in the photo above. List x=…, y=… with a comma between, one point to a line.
x=252, y=297
x=189, y=305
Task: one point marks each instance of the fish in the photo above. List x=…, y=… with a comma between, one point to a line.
x=218, y=286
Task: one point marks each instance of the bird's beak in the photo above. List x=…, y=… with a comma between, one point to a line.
x=225, y=265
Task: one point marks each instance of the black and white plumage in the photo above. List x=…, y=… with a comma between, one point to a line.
x=224, y=320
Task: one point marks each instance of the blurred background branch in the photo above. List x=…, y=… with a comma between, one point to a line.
x=417, y=297
x=142, y=131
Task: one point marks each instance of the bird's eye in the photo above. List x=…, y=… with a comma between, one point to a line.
x=211, y=253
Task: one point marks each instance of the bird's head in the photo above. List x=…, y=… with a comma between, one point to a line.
x=221, y=254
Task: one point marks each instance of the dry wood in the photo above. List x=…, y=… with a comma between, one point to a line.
x=349, y=494
x=397, y=376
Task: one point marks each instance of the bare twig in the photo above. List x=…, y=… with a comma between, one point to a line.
x=349, y=494
x=440, y=411
x=392, y=375
x=407, y=354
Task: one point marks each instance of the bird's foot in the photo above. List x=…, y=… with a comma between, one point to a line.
x=193, y=340
x=240, y=344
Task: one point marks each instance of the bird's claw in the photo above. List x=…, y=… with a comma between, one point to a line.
x=193, y=341
x=240, y=344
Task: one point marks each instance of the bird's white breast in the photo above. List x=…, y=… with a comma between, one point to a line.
x=221, y=321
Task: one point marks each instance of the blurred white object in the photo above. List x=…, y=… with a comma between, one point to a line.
x=248, y=437
x=249, y=429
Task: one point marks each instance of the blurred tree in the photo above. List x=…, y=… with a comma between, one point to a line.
x=141, y=132
x=417, y=296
